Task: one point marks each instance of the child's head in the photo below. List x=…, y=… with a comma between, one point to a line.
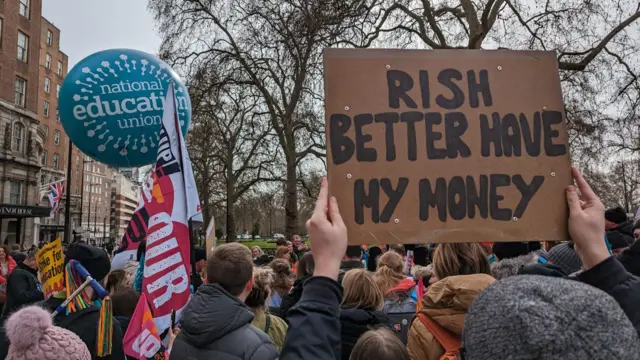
x=389, y=273
x=379, y=344
x=263, y=279
x=361, y=290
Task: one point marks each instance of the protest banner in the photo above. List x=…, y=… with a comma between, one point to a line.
x=50, y=260
x=447, y=145
x=142, y=339
x=210, y=240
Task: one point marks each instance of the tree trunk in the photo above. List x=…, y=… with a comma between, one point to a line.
x=231, y=223
x=291, y=206
x=231, y=220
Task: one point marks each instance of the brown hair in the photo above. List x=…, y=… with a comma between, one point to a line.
x=380, y=344
x=398, y=248
x=283, y=276
x=230, y=266
x=282, y=250
x=116, y=281
x=389, y=273
x=263, y=279
x=361, y=290
x=451, y=259
x=7, y=252
x=124, y=302
x=305, y=266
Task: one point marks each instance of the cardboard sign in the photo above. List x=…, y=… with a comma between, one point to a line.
x=50, y=260
x=447, y=145
x=210, y=240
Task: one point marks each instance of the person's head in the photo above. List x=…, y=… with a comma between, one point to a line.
x=547, y=316
x=93, y=259
x=256, y=252
x=636, y=230
x=565, y=257
x=451, y=259
x=30, y=259
x=4, y=252
x=263, y=279
x=284, y=276
x=283, y=253
x=389, y=273
x=124, y=302
x=200, y=259
x=380, y=344
x=296, y=240
x=374, y=254
x=281, y=242
x=361, y=291
x=510, y=250
x=290, y=246
x=353, y=253
x=420, y=256
x=116, y=281
x=32, y=336
x=15, y=247
x=305, y=267
x=398, y=248
x=231, y=266
x=422, y=273
x=614, y=217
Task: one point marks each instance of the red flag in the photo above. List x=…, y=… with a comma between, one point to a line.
x=142, y=340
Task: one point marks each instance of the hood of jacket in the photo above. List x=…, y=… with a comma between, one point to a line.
x=510, y=267
x=363, y=317
x=448, y=300
x=405, y=285
x=211, y=314
x=625, y=228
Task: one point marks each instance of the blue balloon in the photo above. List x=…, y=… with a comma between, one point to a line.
x=111, y=105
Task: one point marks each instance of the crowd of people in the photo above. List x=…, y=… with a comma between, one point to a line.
x=328, y=300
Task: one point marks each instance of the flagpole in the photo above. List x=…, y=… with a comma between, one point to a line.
x=67, y=208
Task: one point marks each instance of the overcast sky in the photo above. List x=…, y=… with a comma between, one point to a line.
x=88, y=26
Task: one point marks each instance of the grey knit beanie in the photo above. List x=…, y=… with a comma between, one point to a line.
x=565, y=257
x=539, y=317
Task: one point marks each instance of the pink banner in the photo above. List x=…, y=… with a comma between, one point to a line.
x=142, y=340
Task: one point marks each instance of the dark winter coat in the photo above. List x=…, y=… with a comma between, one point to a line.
x=355, y=322
x=292, y=298
x=216, y=325
x=630, y=258
x=625, y=229
x=23, y=288
x=611, y=277
x=314, y=323
x=84, y=323
x=348, y=265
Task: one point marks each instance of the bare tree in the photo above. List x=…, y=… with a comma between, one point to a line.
x=618, y=186
x=272, y=46
x=233, y=137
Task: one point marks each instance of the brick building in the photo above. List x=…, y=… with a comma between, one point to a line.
x=125, y=194
x=96, y=200
x=21, y=137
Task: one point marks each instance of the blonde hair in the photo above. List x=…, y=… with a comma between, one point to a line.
x=284, y=276
x=260, y=252
x=263, y=280
x=451, y=259
x=361, y=290
x=389, y=273
x=379, y=344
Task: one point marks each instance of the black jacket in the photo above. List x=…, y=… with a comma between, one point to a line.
x=18, y=257
x=630, y=258
x=355, y=322
x=348, y=265
x=23, y=288
x=611, y=277
x=216, y=325
x=292, y=298
x=314, y=323
x=84, y=323
x=626, y=230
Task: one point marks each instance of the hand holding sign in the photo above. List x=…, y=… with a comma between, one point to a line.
x=586, y=222
x=327, y=233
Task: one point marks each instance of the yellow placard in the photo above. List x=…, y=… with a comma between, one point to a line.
x=50, y=261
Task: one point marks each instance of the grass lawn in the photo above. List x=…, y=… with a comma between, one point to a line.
x=260, y=242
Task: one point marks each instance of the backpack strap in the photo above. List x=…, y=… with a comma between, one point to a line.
x=267, y=325
x=449, y=341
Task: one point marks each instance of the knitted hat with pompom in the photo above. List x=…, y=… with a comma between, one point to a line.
x=32, y=336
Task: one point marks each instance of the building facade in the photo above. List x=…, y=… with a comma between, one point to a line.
x=96, y=181
x=125, y=195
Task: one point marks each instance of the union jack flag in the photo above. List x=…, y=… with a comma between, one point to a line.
x=55, y=197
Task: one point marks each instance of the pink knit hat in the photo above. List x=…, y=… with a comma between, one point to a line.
x=32, y=336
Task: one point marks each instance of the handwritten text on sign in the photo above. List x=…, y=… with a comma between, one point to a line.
x=50, y=260
x=446, y=146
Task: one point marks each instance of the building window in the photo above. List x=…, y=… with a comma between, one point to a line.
x=47, y=61
x=59, y=68
x=46, y=109
x=46, y=131
x=18, y=137
x=47, y=85
x=23, y=46
x=56, y=137
x=58, y=91
x=20, y=91
x=15, y=193
x=57, y=114
x=56, y=161
x=43, y=161
x=49, y=37
x=24, y=8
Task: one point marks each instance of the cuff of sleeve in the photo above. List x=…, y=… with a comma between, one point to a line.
x=322, y=290
x=606, y=275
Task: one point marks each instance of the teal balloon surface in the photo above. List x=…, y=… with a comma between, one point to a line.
x=111, y=105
